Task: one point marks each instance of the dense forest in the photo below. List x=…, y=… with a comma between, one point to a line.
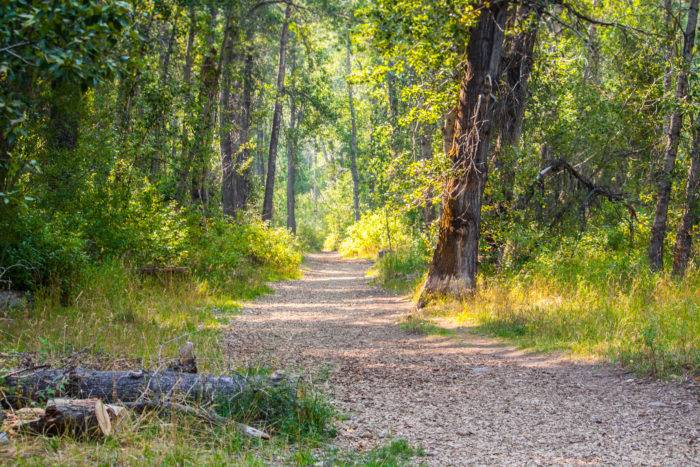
x=527, y=168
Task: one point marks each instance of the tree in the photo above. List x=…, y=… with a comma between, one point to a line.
x=691, y=210
x=658, y=229
x=295, y=116
x=454, y=264
x=353, y=131
x=276, y=119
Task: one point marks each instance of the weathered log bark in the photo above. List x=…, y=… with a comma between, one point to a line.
x=454, y=265
x=276, y=120
x=77, y=417
x=659, y=227
x=21, y=389
x=353, y=132
x=691, y=210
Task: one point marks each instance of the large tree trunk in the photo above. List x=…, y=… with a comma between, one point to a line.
x=516, y=66
x=659, y=227
x=684, y=237
x=454, y=265
x=353, y=133
x=276, y=120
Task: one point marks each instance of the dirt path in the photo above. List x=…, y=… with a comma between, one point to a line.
x=470, y=401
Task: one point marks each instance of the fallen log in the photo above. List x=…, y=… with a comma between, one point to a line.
x=20, y=389
x=77, y=417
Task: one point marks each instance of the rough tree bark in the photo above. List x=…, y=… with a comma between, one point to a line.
x=691, y=210
x=235, y=163
x=276, y=120
x=353, y=132
x=454, y=265
x=234, y=125
x=659, y=227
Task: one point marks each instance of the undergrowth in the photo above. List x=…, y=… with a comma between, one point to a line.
x=592, y=295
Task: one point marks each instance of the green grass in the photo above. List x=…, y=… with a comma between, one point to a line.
x=396, y=452
x=121, y=320
x=415, y=325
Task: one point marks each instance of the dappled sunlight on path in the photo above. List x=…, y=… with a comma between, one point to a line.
x=465, y=400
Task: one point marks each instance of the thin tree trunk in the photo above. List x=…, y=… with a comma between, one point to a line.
x=260, y=154
x=426, y=153
x=183, y=169
x=291, y=150
x=226, y=130
x=276, y=120
x=684, y=237
x=659, y=227
x=200, y=157
x=157, y=156
x=294, y=118
x=353, y=134
x=516, y=66
x=454, y=265
x=591, y=71
x=243, y=165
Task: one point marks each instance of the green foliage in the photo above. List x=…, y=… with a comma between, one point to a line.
x=291, y=409
x=415, y=325
x=397, y=452
x=39, y=252
x=375, y=231
x=223, y=251
x=403, y=270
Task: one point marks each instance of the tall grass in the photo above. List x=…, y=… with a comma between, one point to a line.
x=591, y=295
x=650, y=323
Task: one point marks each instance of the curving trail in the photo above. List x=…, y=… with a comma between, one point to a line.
x=465, y=400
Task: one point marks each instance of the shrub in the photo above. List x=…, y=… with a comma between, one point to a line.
x=375, y=231
x=39, y=252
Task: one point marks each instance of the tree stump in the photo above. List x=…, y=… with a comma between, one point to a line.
x=77, y=417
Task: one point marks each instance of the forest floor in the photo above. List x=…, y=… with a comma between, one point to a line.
x=463, y=398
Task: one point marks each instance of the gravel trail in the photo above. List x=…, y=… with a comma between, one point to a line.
x=466, y=400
